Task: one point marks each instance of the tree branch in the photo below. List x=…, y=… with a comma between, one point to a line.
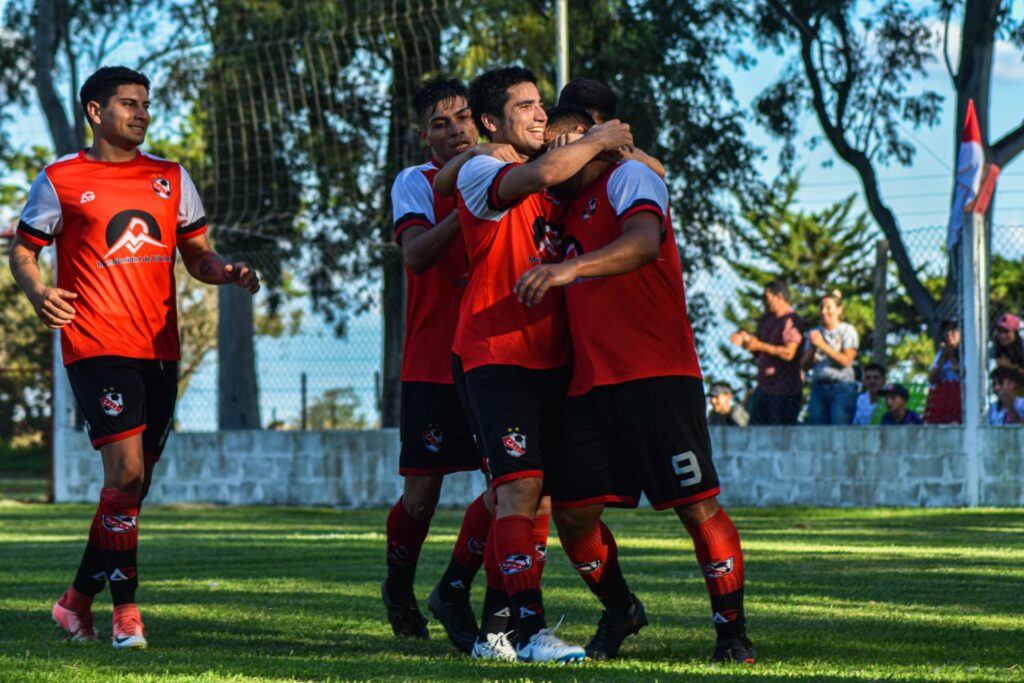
x=945, y=46
x=1008, y=147
x=45, y=47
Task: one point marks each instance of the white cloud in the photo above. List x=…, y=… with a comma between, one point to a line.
x=1007, y=63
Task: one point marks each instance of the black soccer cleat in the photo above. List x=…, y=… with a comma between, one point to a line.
x=406, y=620
x=737, y=650
x=457, y=618
x=615, y=626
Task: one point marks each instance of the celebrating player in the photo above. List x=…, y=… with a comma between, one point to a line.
x=635, y=416
x=436, y=438
x=514, y=359
x=116, y=215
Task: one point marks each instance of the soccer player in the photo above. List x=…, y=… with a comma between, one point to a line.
x=514, y=360
x=116, y=216
x=436, y=437
x=635, y=417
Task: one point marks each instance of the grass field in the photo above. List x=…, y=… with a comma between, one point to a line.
x=292, y=594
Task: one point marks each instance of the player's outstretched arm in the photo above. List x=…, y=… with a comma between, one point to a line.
x=52, y=304
x=638, y=246
x=206, y=265
x=445, y=179
x=558, y=165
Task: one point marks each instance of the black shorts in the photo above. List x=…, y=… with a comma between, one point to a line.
x=436, y=438
x=121, y=397
x=649, y=435
x=517, y=416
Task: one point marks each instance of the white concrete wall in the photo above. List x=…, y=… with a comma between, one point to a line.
x=816, y=466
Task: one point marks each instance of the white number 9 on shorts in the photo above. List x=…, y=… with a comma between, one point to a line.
x=687, y=469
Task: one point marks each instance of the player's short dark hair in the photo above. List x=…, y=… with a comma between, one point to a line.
x=1003, y=373
x=437, y=90
x=102, y=85
x=876, y=366
x=488, y=92
x=565, y=117
x=778, y=288
x=592, y=96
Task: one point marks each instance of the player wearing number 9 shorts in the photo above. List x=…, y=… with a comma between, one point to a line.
x=635, y=416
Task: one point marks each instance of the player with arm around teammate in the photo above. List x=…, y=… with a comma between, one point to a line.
x=116, y=216
x=635, y=418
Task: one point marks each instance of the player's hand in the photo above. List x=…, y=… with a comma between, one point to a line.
x=563, y=140
x=53, y=307
x=816, y=339
x=498, y=150
x=535, y=283
x=242, y=275
x=612, y=135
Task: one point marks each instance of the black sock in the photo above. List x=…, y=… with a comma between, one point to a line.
x=91, y=576
x=728, y=616
x=613, y=591
x=527, y=614
x=496, y=614
x=456, y=582
x=122, y=575
x=400, y=582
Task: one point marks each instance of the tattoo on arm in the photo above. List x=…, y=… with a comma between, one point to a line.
x=206, y=269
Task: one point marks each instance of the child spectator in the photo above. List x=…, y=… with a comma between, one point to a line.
x=828, y=354
x=723, y=410
x=868, y=400
x=943, y=405
x=1008, y=408
x=896, y=397
x=1007, y=349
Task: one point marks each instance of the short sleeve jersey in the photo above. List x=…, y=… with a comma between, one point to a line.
x=631, y=326
x=503, y=241
x=776, y=376
x=843, y=337
x=116, y=226
x=434, y=296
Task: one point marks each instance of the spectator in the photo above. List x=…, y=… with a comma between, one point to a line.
x=776, y=399
x=828, y=354
x=723, y=411
x=896, y=396
x=1008, y=407
x=943, y=405
x=1007, y=349
x=868, y=400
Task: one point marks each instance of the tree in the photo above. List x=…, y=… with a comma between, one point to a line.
x=337, y=409
x=853, y=67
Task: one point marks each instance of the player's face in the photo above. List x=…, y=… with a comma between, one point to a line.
x=523, y=121
x=125, y=118
x=449, y=129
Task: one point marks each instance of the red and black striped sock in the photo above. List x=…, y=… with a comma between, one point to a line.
x=516, y=550
x=468, y=554
x=717, y=546
x=118, y=537
x=405, y=539
x=595, y=557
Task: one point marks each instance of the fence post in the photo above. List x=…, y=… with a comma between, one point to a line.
x=974, y=300
x=881, y=296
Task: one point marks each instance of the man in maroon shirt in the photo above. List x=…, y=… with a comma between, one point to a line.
x=780, y=382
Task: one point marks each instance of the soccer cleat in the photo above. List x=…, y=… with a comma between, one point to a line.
x=457, y=618
x=79, y=626
x=406, y=620
x=128, y=628
x=494, y=646
x=739, y=650
x=615, y=626
x=545, y=646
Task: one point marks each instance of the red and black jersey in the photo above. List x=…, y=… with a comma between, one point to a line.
x=116, y=226
x=503, y=242
x=434, y=296
x=631, y=326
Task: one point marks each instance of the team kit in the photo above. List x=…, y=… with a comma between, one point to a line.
x=547, y=345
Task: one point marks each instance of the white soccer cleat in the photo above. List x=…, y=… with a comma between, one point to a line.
x=545, y=646
x=128, y=628
x=79, y=626
x=494, y=646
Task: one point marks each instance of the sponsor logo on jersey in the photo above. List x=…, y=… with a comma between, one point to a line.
x=514, y=443
x=162, y=187
x=587, y=567
x=716, y=570
x=590, y=209
x=126, y=574
x=432, y=439
x=515, y=564
x=88, y=196
x=476, y=546
x=548, y=240
x=725, y=616
x=119, y=524
x=132, y=230
x=112, y=402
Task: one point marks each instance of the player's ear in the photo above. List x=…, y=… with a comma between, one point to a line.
x=92, y=111
x=422, y=135
x=490, y=122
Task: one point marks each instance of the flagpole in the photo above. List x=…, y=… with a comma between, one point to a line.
x=562, y=43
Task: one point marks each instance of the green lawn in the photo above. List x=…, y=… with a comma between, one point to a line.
x=292, y=594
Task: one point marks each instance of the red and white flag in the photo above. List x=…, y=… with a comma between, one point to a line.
x=970, y=161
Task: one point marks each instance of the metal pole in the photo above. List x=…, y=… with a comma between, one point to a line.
x=562, y=42
x=974, y=299
x=304, y=413
x=881, y=293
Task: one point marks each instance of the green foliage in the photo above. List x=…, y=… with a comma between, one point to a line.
x=336, y=409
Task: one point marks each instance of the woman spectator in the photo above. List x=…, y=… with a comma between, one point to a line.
x=829, y=354
x=943, y=404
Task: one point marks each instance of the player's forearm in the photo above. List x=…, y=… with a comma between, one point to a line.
x=648, y=161
x=553, y=167
x=24, y=265
x=208, y=267
x=428, y=247
x=445, y=180
x=786, y=352
x=635, y=249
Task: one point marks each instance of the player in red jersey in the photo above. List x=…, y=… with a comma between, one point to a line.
x=435, y=434
x=116, y=216
x=514, y=359
x=635, y=417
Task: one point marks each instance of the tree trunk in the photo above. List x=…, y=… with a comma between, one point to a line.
x=61, y=130
x=238, y=405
